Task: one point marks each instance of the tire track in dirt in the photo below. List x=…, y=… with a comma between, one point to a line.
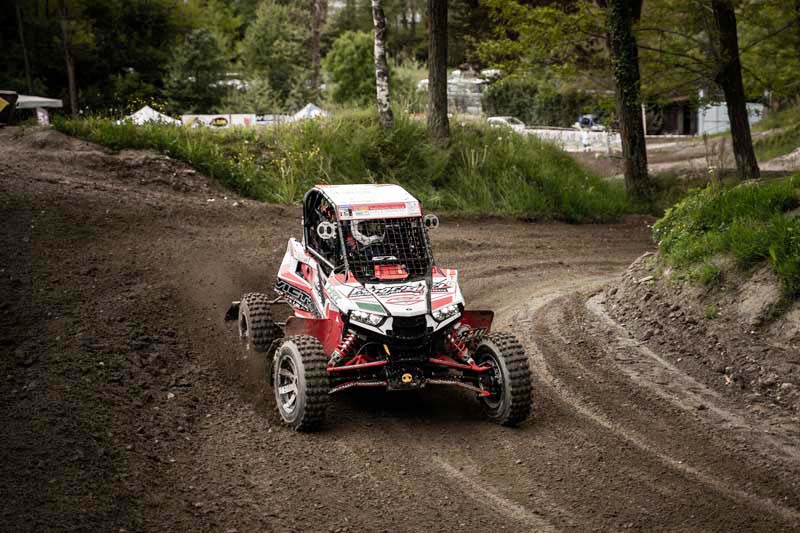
x=644, y=366
x=542, y=309
x=481, y=491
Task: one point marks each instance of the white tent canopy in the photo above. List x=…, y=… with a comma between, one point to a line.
x=148, y=114
x=309, y=111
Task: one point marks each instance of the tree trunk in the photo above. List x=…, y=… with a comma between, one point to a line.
x=69, y=60
x=381, y=67
x=729, y=78
x=438, y=124
x=625, y=62
x=24, y=49
x=796, y=39
x=318, y=9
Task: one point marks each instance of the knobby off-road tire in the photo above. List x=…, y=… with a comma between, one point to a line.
x=257, y=330
x=300, y=382
x=512, y=402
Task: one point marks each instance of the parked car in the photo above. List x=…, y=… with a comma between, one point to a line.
x=507, y=122
x=588, y=122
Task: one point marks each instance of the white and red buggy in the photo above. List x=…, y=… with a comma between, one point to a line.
x=373, y=309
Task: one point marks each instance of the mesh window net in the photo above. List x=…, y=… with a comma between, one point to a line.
x=387, y=249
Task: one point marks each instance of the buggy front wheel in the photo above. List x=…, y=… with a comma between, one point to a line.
x=300, y=382
x=510, y=401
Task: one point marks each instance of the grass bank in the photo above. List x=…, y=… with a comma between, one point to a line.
x=483, y=171
x=752, y=222
x=784, y=138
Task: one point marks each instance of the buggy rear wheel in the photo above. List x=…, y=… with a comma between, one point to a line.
x=300, y=382
x=257, y=330
x=509, y=382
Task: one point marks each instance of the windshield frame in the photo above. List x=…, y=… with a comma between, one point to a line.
x=418, y=266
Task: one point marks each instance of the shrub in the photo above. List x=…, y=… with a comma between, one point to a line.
x=197, y=64
x=351, y=68
x=748, y=222
x=274, y=51
x=484, y=171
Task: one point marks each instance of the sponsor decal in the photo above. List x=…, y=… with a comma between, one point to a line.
x=471, y=336
x=379, y=210
x=297, y=298
x=404, y=299
x=389, y=290
x=443, y=285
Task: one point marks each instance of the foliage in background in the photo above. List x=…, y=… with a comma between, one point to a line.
x=256, y=97
x=274, y=49
x=483, y=171
x=404, y=79
x=194, y=72
x=123, y=47
x=565, y=41
x=749, y=222
x=549, y=41
x=219, y=18
x=524, y=97
x=350, y=67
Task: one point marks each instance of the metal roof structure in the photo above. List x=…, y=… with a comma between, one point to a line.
x=372, y=200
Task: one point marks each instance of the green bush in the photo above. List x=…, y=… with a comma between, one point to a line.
x=274, y=51
x=484, y=171
x=197, y=64
x=748, y=222
x=351, y=68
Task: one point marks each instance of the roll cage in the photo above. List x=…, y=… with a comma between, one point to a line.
x=372, y=250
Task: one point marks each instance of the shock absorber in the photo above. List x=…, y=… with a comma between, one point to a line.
x=345, y=349
x=458, y=346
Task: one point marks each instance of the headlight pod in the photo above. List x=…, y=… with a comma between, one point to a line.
x=370, y=319
x=444, y=313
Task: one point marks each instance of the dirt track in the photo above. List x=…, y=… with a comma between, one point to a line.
x=128, y=405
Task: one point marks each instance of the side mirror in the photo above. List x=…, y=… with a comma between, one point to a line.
x=431, y=221
x=326, y=230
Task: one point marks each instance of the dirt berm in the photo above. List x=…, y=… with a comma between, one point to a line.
x=128, y=405
x=739, y=335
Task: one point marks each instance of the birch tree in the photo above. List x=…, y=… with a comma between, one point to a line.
x=381, y=66
x=319, y=10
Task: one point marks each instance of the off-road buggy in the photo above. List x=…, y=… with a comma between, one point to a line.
x=371, y=308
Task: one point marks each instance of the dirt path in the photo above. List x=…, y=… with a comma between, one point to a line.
x=128, y=405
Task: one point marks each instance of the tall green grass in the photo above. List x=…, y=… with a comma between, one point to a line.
x=784, y=138
x=751, y=222
x=778, y=143
x=483, y=171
